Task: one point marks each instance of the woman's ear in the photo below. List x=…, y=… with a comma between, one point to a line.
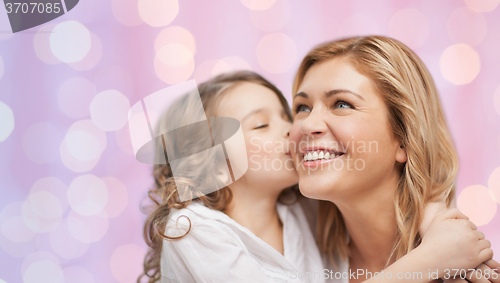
x=401, y=156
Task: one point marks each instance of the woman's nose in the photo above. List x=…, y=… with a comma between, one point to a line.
x=314, y=125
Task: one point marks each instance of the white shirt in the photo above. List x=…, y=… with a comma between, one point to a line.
x=218, y=249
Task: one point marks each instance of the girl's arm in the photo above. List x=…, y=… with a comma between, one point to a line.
x=451, y=242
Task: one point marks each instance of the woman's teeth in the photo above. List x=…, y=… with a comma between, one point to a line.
x=320, y=155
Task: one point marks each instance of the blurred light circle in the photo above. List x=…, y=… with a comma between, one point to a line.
x=70, y=41
x=174, y=63
x=74, y=97
x=482, y=5
x=16, y=231
x=1, y=67
x=18, y=248
x=109, y=110
x=466, y=26
x=83, y=146
x=158, y=13
x=175, y=35
x=258, y=4
x=237, y=63
x=45, y=204
x=70, y=161
x=41, y=43
x=124, y=141
x=7, y=119
x=409, y=26
x=64, y=244
x=174, y=55
x=93, y=56
x=117, y=196
x=276, y=53
x=126, y=12
x=35, y=221
x=205, y=70
x=212, y=68
x=43, y=271
x=126, y=262
x=74, y=164
x=3, y=281
x=220, y=67
x=87, y=195
x=272, y=19
x=496, y=100
x=494, y=183
x=54, y=186
x=89, y=126
x=77, y=274
x=476, y=202
x=460, y=64
x=36, y=257
x=87, y=229
x=40, y=142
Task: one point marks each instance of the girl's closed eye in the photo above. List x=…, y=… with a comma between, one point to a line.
x=260, y=126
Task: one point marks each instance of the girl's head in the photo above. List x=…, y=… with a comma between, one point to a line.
x=265, y=119
x=372, y=103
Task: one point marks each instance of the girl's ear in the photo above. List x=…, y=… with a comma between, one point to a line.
x=224, y=176
x=401, y=156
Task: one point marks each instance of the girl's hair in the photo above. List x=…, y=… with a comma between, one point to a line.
x=167, y=193
x=418, y=122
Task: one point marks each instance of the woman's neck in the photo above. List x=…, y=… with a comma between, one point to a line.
x=371, y=223
x=259, y=215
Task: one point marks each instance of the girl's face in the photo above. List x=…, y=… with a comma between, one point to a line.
x=337, y=111
x=265, y=127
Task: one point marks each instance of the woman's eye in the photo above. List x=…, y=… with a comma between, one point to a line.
x=260, y=126
x=343, y=104
x=301, y=108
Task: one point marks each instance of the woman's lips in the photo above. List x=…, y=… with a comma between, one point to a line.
x=318, y=162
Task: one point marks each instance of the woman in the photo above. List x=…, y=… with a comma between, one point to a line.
x=372, y=143
x=254, y=229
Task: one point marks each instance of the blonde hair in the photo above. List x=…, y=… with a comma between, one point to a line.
x=166, y=193
x=417, y=121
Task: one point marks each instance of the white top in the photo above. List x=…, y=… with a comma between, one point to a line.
x=218, y=249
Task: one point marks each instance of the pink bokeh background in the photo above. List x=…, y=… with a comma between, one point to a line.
x=70, y=185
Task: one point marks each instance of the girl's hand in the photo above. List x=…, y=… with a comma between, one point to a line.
x=453, y=242
x=432, y=210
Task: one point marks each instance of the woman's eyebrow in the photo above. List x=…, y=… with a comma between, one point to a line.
x=329, y=93
x=303, y=94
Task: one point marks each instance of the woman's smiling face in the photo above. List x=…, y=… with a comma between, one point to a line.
x=338, y=111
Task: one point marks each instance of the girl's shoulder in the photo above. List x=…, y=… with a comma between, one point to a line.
x=196, y=216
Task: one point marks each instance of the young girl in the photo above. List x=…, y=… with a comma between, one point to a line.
x=254, y=229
